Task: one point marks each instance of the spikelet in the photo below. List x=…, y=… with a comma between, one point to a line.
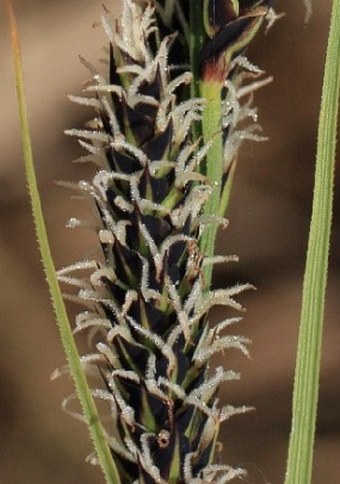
x=146, y=301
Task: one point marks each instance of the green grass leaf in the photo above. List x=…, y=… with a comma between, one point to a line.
x=76, y=370
x=306, y=385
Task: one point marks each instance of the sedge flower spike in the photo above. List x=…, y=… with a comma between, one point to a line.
x=146, y=301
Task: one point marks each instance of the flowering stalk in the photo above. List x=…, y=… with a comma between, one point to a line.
x=163, y=141
x=156, y=196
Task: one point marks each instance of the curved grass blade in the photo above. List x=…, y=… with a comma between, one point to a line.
x=306, y=385
x=76, y=370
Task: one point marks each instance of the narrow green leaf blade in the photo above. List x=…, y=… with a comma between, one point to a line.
x=306, y=385
x=77, y=372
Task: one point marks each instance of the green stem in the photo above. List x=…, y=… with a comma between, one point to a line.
x=75, y=366
x=210, y=128
x=306, y=385
x=212, y=133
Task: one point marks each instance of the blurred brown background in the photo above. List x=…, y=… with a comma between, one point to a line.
x=268, y=229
